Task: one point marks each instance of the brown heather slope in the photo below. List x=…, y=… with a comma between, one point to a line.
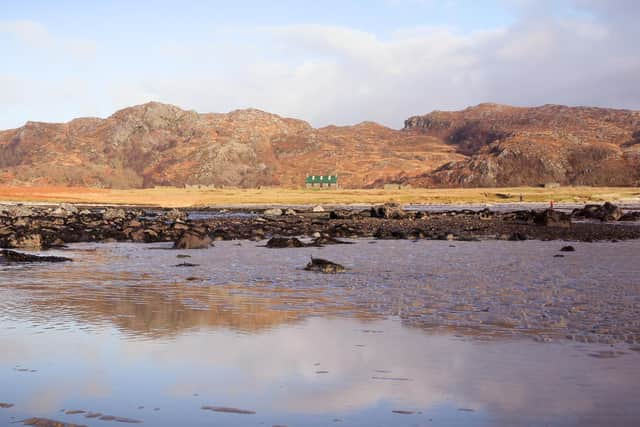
x=511, y=146
x=489, y=145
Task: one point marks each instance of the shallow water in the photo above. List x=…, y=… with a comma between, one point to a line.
x=442, y=333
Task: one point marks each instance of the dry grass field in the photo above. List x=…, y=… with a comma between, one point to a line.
x=180, y=197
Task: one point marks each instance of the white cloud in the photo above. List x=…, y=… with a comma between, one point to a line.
x=35, y=35
x=332, y=74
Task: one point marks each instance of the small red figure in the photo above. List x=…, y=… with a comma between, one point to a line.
x=551, y=204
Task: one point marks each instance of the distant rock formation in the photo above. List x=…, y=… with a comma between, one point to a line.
x=488, y=145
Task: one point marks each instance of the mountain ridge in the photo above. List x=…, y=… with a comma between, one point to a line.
x=485, y=145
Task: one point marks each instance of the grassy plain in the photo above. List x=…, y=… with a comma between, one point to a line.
x=181, y=197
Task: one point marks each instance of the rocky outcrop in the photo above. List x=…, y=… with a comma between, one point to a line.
x=512, y=146
x=487, y=145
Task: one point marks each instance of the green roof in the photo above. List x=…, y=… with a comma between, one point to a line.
x=321, y=179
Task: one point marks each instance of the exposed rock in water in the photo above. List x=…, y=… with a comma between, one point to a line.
x=45, y=422
x=18, y=257
x=285, y=242
x=324, y=266
x=568, y=248
x=193, y=240
x=186, y=264
x=227, y=410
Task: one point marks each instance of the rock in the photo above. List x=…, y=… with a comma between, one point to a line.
x=273, y=212
x=324, y=266
x=317, y=208
x=64, y=210
x=322, y=240
x=316, y=235
x=33, y=242
x=552, y=218
x=343, y=214
x=606, y=212
x=285, y=242
x=388, y=211
x=110, y=214
x=186, y=264
x=568, y=248
x=18, y=211
x=517, y=236
x=18, y=257
x=193, y=240
x=176, y=215
x=609, y=212
x=290, y=212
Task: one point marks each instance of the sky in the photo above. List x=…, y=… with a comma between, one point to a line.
x=327, y=62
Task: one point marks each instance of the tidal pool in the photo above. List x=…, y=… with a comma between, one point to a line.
x=425, y=333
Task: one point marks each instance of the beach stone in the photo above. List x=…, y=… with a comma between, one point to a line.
x=290, y=212
x=568, y=248
x=317, y=208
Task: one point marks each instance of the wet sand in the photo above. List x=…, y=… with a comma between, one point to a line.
x=413, y=333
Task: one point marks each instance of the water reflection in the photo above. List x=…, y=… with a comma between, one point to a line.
x=274, y=373
x=122, y=332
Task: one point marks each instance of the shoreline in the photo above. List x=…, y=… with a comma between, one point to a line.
x=40, y=227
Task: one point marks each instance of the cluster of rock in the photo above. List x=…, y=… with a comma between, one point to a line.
x=36, y=228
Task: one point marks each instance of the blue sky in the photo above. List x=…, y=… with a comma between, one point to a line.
x=327, y=62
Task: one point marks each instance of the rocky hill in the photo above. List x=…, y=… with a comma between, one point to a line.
x=488, y=145
x=510, y=146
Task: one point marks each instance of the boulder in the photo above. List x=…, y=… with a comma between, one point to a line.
x=388, y=211
x=323, y=266
x=192, y=240
x=317, y=208
x=606, y=212
x=290, y=212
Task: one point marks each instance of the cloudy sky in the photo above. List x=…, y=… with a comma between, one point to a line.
x=330, y=61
